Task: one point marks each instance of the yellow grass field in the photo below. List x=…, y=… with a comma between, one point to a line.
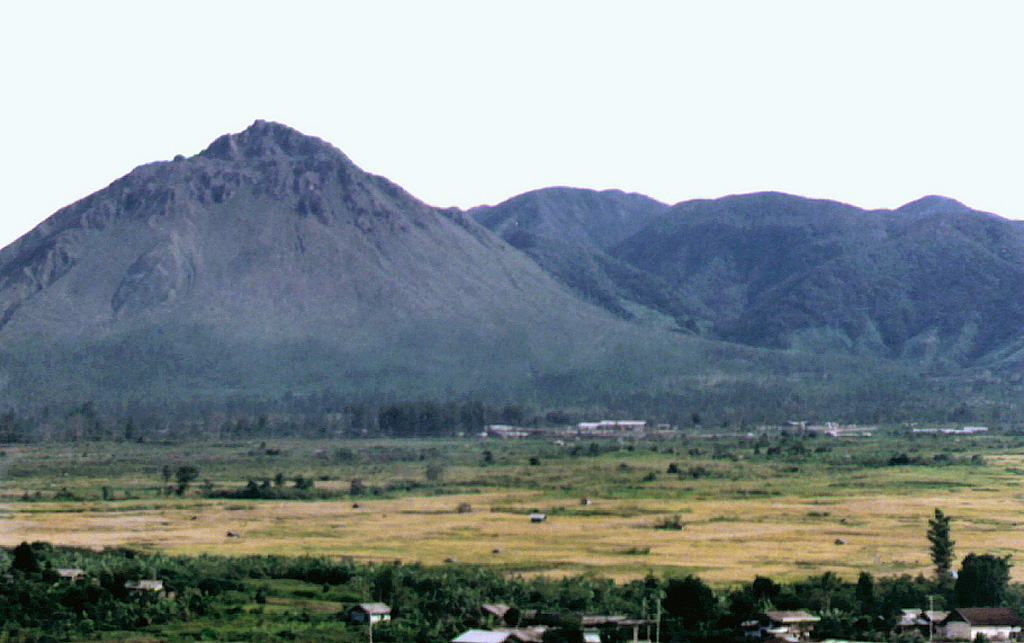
x=812, y=521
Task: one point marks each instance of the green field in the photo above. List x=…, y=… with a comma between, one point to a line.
x=784, y=506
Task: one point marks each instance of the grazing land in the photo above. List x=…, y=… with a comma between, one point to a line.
x=784, y=505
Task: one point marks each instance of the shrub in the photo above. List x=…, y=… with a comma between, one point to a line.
x=670, y=522
x=435, y=473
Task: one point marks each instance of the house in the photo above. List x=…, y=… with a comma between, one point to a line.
x=482, y=636
x=504, y=635
x=538, y=621
x=790, y=624
x=506, y=432
x=499, y=613
x=70, y=573
x=609, y=426
x=924, y=622
x=635, y=624
x=994, y=623
x=592, y=621
x=370, y=613
x=144, y=585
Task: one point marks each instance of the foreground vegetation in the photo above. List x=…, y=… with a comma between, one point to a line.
x=272, y=598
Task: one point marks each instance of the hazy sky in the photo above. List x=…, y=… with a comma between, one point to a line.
x=465, y=103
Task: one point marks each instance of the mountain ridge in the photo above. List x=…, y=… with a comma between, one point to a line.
x=269, y=262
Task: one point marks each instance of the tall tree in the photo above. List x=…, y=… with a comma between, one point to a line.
x=25, y=558
x=765, y=591
x=865, y=593
x=691, y=601
x=982, y=580
x=825, y=587
x=941, y=545
x=185, y=476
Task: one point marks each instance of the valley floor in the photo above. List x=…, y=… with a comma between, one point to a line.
x=728, y=512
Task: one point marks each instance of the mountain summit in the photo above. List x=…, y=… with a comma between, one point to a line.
x=270, y=261
x=268, y=140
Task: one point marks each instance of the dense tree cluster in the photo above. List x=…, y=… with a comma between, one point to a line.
x=329, y=414
x=434, y=604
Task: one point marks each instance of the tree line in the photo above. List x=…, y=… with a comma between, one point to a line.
x=329, y=414
x=219, y=597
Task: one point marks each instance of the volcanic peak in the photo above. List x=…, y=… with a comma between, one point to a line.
x=268, y=140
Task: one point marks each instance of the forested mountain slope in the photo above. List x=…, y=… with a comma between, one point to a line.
x=569, y=231
x=270, y=263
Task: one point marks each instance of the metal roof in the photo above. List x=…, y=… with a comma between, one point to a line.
x=985, y=616
x=481, y=636
x=375, y=608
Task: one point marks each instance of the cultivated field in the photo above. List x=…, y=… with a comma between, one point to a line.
x=784, y=507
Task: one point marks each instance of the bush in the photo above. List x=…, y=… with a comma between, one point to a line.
x=670, y=522
x=696, y=472
x=356, y=487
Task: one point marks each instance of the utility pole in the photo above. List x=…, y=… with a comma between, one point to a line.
x=657, y=622
x=646, y=621
x=931, y=624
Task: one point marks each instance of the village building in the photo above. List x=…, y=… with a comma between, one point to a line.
x=370, y=613
x=993, y=623
x=794, y=625
x=605, y=426
x=505, y=431
x=70, y=573
x=500, y=614
x=967, y=430
x=536, y=623
x=144, y=585
x=635, y=625
x=504, y=635
x=925, y=623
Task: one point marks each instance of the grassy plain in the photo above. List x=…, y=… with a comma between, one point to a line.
x=814, y=504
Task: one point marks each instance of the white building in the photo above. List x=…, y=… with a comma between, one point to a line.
x=994, y=623
x=612, y=425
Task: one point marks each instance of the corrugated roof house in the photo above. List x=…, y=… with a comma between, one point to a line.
x=497, y=610
x=924, y=622
x=70, y=573
x=796, y=624
x=994, y=623
x=370, y=613
x=504, y=635
x=497, y=614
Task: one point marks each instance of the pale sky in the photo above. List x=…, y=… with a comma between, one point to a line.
x=468, y=103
